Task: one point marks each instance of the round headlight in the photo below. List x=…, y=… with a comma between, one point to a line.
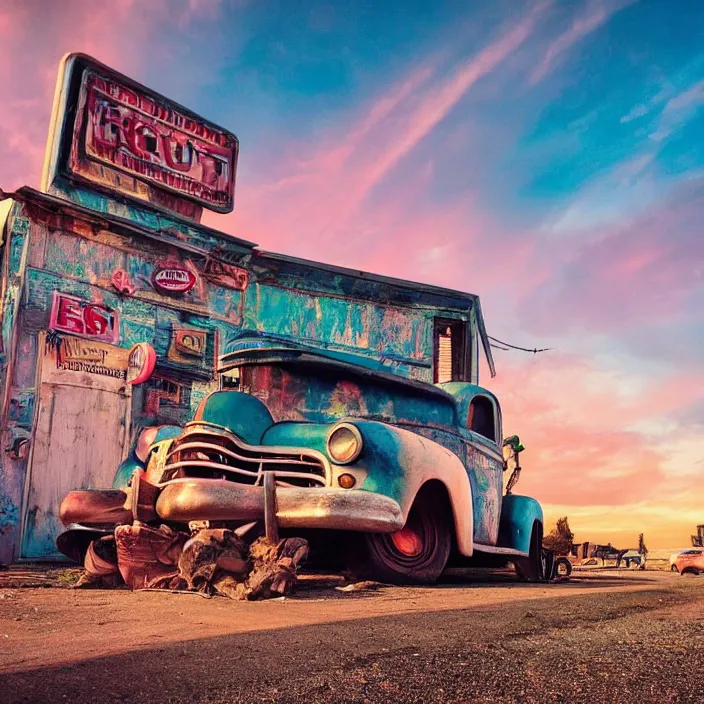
x=344, y=443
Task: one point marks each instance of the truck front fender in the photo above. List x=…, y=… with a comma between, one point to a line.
x=399, y=462
x=148, y=441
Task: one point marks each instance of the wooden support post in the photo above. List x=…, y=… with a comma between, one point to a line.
x=271, y=527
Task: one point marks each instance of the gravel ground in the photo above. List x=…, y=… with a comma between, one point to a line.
x=602, y=637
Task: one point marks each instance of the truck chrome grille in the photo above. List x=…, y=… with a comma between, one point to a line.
x=209, y=451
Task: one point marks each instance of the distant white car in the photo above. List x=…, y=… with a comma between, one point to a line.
x=689, y=551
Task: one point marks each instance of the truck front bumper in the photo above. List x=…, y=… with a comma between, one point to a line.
x=184, y=500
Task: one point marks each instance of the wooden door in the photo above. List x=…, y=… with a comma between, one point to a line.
x=80, y=437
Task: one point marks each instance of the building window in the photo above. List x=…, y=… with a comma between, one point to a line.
x=450, y=350
x=230, y=379
x=166, y=400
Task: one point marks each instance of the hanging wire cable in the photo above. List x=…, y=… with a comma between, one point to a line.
x=498, y=347
x=514, y=347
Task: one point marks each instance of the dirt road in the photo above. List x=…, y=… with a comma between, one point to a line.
x=619, y=637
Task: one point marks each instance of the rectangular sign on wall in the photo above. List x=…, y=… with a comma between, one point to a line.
x=78, y=317
x=119, y=136
x=73, y=354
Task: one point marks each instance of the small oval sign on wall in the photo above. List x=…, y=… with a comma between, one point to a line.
x=140, y=363
x=173, y=279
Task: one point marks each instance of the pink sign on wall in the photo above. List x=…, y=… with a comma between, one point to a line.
x=78, y=317
x=173, y=279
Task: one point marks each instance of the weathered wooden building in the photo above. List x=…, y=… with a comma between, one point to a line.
x=111, y=254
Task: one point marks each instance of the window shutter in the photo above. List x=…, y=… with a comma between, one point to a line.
x=444, y=371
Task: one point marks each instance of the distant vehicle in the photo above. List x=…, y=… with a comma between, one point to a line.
x=689, y=561
x=675, y=555
x=414, y=470
x=632, y=557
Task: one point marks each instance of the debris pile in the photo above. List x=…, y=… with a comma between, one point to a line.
x=209, y=561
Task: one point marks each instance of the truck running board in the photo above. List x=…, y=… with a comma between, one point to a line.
x=494, y=550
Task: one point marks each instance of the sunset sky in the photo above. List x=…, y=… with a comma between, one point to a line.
x=548, y=156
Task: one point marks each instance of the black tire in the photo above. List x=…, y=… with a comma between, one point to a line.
x=563, y=567
x=418, y=553
x=674, y=568
x=531, y=569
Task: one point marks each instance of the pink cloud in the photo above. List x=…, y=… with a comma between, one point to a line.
x=596, y=14
x=678, y=111
x=438, y=102
x=632, y=274
x=583, y=430
x=321, y=196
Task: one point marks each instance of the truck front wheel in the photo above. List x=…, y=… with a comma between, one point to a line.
x=418, y=553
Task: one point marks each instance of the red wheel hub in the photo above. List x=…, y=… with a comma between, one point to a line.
x=407, y=542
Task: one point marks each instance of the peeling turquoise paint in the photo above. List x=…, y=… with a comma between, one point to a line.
x=21, y=410
x=402, y=337
x=226, y=303
x=320, y=396
x=9, y=515
x=40, y=287
x=135, y=309
x=486, y=480
x=73, y=256
x=380, y=458
x=8, y=324
x=518, y=515
x=16, y=248
x=140, y=270
x=147, y=218
x=132, y=332
x=20, y=225
x=40, y=530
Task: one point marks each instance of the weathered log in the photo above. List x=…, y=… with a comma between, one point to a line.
x=210, y=551
x=274, y=567
x=211, y=561
x=145, y=554
x=100, y=565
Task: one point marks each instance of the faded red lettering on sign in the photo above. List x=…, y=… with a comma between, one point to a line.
x=152, y=140
x=173, y=279
x=78, y=317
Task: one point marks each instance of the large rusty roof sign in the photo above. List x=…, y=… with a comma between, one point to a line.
x=117, y=136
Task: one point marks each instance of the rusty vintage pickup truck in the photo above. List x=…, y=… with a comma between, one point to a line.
x=407, y=472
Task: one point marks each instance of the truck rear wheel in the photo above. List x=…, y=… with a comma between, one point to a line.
x=563, y=567
x=418, y=553
x=530, y=569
